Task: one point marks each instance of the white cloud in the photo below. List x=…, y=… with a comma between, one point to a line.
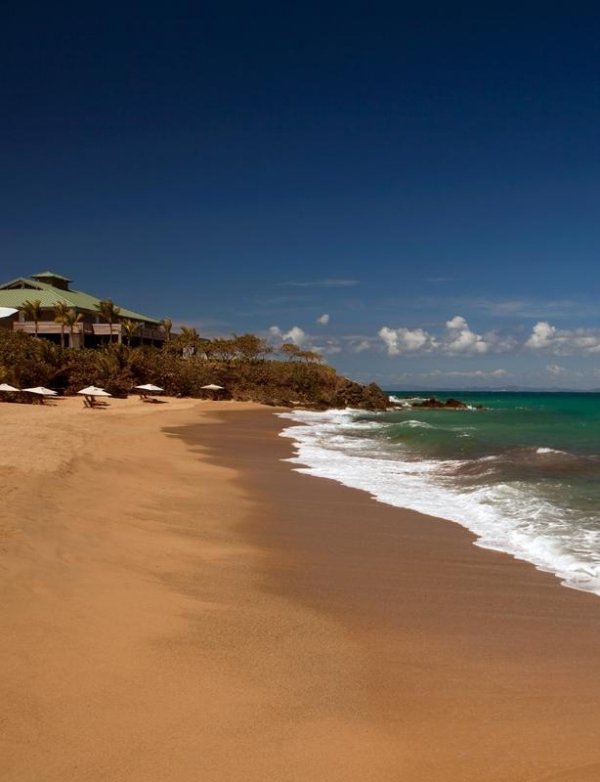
x=457, y=339
x=542, y=336
x=301, y=339
x=323, y=319
x=555, y=369
x=563, y=342
x=295, y=335
x=404, y=340
x=460, y=338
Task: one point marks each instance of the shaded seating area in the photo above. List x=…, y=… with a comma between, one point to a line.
x=9, y=393
x=148, y=392
x=94, y=397
x=41, y=393
x=37, y=394
x=213, y=391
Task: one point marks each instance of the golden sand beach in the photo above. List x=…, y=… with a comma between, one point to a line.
x=178, y=604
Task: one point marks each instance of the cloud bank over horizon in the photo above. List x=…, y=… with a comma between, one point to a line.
x=459, y=339
x=457, y=352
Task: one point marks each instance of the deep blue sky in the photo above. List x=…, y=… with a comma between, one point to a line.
x=397, y=167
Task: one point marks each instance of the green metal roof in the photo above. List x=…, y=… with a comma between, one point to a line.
x=48, y=295
x=51, y=275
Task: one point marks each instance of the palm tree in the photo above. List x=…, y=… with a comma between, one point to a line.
x=61, y=311
x=166, y=325
x=33, y=311
x=130, y=327
x=189, y=333
x=190, y=340
x=109, y=311
x=72, y=318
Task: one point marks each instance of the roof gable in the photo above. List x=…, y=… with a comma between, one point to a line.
x=22, y=282
x=51, y=275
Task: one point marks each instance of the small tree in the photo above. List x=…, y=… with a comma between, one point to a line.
x=166, y=325
x=188, y=341
x=250, y=347
x=110, y=312
x=130, y=328
x=223, y=349
x=33, y=311
x=310, y=355
x=72, y=318
x=189, y=334
x=61, y=312
x=290, y=350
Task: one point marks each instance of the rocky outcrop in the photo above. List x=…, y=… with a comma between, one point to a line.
x=347, y=393
x=452, y=404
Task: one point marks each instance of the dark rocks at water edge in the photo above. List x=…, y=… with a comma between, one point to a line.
x=449, y=404
x=455, y=404
x=350, y=394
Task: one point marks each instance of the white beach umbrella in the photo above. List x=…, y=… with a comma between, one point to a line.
x=93, y=391
x=7, y=387
x=213, y=387
x=6, y=312
x=149, y=387
x=41, y=391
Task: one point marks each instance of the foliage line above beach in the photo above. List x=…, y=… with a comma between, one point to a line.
x=246, y=366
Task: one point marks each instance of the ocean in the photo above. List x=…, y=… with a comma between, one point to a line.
x=523, y=474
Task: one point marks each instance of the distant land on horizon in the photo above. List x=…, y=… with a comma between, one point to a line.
x=494, y=390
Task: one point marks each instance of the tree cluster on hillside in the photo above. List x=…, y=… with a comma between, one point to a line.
x=246, y=366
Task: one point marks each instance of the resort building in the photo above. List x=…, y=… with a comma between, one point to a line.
x=83, y=325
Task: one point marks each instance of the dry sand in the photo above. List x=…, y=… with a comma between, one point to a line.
x=178, y=604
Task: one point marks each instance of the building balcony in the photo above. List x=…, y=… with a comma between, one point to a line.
x=50, y=327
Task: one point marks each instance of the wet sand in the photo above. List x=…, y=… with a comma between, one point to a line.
x=179, y=604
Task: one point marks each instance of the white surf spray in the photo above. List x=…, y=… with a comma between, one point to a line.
x=340, y=445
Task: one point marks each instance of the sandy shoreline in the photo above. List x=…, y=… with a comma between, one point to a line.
x=177, y=603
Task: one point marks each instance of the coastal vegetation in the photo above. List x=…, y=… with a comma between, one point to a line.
x=246, y=366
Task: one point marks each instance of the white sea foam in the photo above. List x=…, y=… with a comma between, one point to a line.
x=416, y=425
x=406, y=401
x=504, y=517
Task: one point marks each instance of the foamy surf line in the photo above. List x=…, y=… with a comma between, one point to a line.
x=505, y=517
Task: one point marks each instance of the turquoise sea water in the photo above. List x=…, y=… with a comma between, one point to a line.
x=523, y=474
